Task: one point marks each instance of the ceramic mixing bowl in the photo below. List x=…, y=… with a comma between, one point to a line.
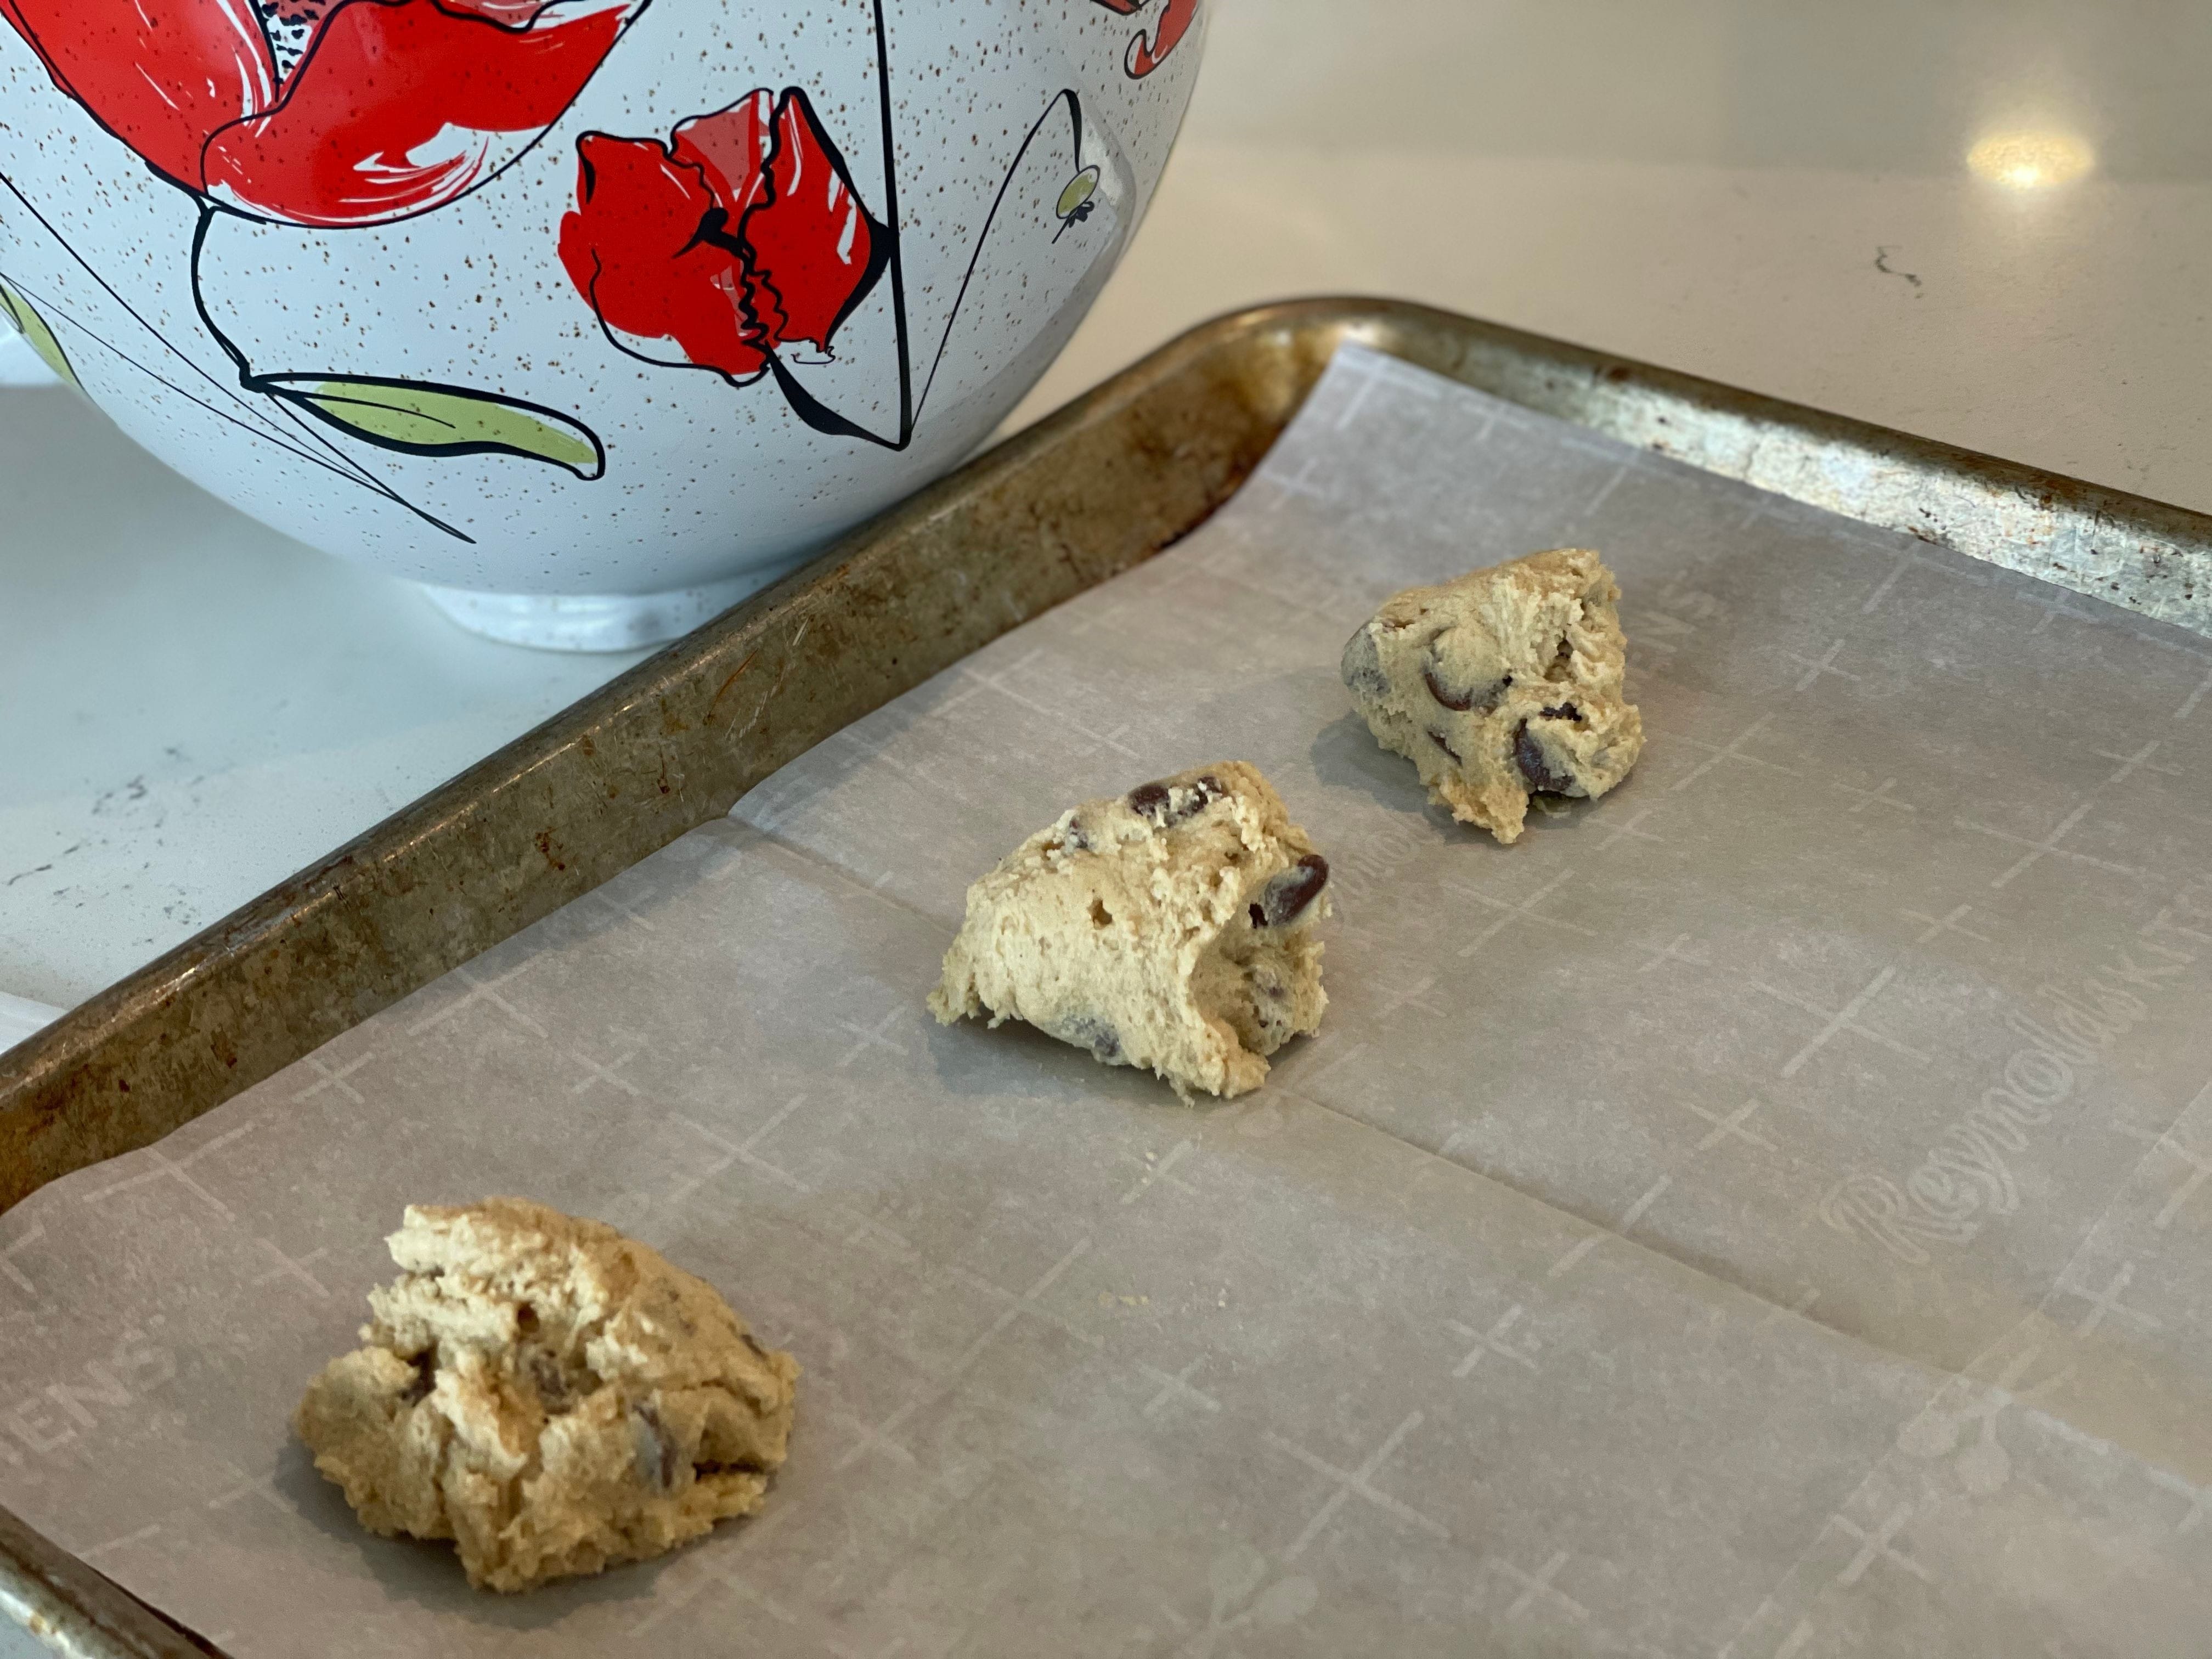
x=589, y=315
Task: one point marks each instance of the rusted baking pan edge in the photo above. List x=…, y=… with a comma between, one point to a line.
x=1087, y=493
x=2128, y=550
x=77, y=1612
x=1099, y=486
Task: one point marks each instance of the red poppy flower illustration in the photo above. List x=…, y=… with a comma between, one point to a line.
x=335, y=114
x=741, y=239
x=1147, y=52
x=740, y=246
x=325, y=113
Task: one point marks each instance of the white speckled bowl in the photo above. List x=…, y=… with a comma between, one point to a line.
x=589, y=315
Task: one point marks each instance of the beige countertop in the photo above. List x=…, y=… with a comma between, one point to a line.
x=1777, y=195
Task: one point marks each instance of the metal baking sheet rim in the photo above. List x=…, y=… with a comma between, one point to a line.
x=1115, y=477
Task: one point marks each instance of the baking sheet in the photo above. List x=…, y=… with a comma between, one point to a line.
x=1760, y=1213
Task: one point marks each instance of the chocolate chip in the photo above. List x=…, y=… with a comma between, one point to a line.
x=659, y=1459
x=425, y=1379
x=1362, y=667
x=1146, y=799
x=1528, y=756
x=1563, y=711
x=1089, y=1031
x=1438, y=739
x=1285, y=898
x=1482, y=699
x=1164, y=805
x=1459, y=702
x=1075, y=838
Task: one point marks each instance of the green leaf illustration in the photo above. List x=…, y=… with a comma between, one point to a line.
x=33, y=327
x=1077, y=193
x=424, y=419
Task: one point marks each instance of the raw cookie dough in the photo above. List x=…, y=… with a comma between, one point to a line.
x=1502, y=683
x=552, y=1396
x=1169, y=927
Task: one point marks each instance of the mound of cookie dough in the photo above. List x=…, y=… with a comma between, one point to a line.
x=1170, y=927
x=1502, y=684
x=552, y=1396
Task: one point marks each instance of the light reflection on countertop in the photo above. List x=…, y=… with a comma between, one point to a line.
x=2030, y=160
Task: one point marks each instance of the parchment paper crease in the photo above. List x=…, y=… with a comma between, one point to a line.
x=1761, y=1214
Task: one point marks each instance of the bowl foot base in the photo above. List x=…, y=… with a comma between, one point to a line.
x=594, y=622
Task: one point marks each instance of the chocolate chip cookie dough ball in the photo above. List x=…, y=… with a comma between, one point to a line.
x=1170, y=927
x=1502, y=684
x=552, y=1396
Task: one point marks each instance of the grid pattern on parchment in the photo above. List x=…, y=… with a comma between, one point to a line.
x=1636, y=1264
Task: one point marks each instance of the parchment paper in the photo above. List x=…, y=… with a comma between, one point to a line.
x=1761, y=1214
